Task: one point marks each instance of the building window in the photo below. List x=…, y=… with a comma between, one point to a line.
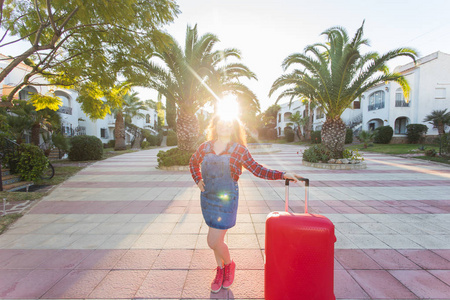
x=27, y=92
x=400, y=99
x=440, y=93
x=356, y=104
x=103, y=133
x=320, y=113
x=279, y=118
x=376, y=100
x=147, y=119
x=287, y=115
x=66, y=107
x=400, y=125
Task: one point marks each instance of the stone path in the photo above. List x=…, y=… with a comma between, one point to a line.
x=123, y=229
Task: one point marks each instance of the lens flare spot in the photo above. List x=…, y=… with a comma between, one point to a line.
x=228, y=108
x=224, y=197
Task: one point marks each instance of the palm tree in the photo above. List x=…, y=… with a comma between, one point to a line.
x=26, y=117
x=186, y=78
x=336, y=73
x=365, y=137
x=299, y=121
x=132, y=108
x=224, y=78
x=116, y=96
x=439, y=118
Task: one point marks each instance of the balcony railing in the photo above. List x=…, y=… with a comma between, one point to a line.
x=401, y=103
x=376, y=106
x=65, y=110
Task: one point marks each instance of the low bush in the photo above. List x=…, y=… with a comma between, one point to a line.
x=145, y=144
x=383, y=135
x=349, y=136
x=110, y=144
x=415, y=132
x=155, y=140
x=430, y=152
x=289, y=134
x=32, y=162
x=317, y=153
x=174, y=157
x=316, y=137
x=172, y=139
x=85, y=147
x=61, y=142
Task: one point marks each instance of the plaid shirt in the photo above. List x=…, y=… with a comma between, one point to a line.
x=239, y=157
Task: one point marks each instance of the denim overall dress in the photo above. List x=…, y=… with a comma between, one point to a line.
x=219, y=201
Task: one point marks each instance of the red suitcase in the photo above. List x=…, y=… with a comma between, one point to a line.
x=299, y=254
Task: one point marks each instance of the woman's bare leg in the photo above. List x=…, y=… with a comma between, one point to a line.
x=216, y=241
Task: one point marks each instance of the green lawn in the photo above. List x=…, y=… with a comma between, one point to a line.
x=393, y=148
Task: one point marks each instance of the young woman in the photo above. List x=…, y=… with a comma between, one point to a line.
x=221, y=159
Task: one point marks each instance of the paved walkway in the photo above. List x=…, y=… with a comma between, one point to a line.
x=123, y=229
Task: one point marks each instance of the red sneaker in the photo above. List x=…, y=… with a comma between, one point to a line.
x=216, y=285
x=228, y=277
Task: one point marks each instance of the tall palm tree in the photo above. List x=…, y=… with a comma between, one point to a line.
x=439, y=118
x=116, y=96
x=187, y=75
x=336, y=73
x=224, y=78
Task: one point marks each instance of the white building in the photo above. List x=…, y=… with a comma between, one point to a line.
x=429, y=80
x=349, y=116
x=384, y=104
x=74, y=120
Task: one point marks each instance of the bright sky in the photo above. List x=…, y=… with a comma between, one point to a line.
x=267, y=31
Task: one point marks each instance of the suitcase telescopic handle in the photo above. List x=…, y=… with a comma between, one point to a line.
x=286, y=184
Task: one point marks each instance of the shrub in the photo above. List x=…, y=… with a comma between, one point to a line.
x=86, y=147
x=349, y=136
x=365, y=137
x=444, y=144
x=174, y=157
x=415, y=132
x=155, y=140
x=316, y=137
x=32, y=162
x=172, y=139
x=430, y=152
x=289, y=134
x=383, y=135
x=110, y=144
x=352, y=155
x=317, y=153
x=145, y=144
x=61, y=142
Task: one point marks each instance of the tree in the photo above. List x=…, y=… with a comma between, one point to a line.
x=299, y=121
x=24, y=116
x=225, y=78
x=74, y=42
x=336, y=73
x=190, y=77
x=132, y=108
x=439, y=119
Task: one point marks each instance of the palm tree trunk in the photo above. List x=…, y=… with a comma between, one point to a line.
x=333, y=136
x=440, y=128
x=119, y=133
x=310, y=121
x=35, y=131
x=187, y=130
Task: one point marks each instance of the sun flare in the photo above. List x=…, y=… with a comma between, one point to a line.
x=228, y=108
